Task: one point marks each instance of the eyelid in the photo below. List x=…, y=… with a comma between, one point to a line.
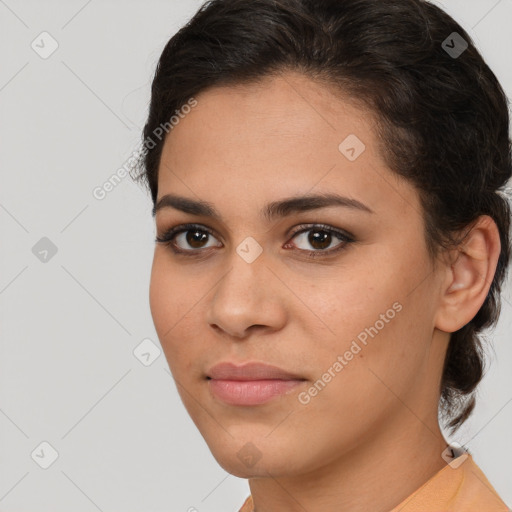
x=301, y=228
x=346, y=239
x=168, y=235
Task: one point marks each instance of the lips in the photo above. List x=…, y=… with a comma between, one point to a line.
x=251, y=383
x=250, y=371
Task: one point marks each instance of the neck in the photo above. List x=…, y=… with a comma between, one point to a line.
x=377, y=475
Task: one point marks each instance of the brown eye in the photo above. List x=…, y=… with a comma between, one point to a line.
x=187, y=238
x=195, y=238
x=320, y=238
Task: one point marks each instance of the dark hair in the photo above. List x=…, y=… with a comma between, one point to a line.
x=442, y=119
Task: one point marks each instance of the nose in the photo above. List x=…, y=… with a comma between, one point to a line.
x=248, y=297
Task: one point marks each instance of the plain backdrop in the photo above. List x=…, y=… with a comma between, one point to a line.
x=74, y=272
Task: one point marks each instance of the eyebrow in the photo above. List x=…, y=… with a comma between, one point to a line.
x=273, y=210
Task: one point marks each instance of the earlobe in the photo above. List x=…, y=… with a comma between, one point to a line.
x=469, y=277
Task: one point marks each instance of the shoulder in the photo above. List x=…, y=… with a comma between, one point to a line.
x=458, y=487
x=476, y=491
x=247, y=506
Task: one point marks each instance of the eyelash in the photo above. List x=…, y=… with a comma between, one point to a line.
x=168, y=238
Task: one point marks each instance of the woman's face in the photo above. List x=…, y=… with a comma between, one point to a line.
x=354, y=327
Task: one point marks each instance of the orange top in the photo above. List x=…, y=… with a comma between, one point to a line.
x=460, y=487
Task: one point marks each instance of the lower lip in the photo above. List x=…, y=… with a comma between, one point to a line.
x=250, y=392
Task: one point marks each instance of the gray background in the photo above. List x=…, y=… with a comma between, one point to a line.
x=69, y=325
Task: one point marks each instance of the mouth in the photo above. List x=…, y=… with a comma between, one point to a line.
x=251, y=383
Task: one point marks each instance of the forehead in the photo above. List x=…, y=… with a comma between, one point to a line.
x=284, y=136
x=282, y=109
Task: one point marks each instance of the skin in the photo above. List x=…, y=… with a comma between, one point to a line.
x=370, y=437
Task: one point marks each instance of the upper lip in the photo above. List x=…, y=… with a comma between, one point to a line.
x=250, y=371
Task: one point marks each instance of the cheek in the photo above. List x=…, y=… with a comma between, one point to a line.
x=346, y=305
x=357, y=383
x=370, y=327
x=175, y=300
x=168, y=309
x=171, y=292
x=160, y=298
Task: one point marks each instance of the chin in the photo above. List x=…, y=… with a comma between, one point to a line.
x=253, y=459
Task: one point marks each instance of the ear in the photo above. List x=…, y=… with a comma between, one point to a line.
x=469, y=275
